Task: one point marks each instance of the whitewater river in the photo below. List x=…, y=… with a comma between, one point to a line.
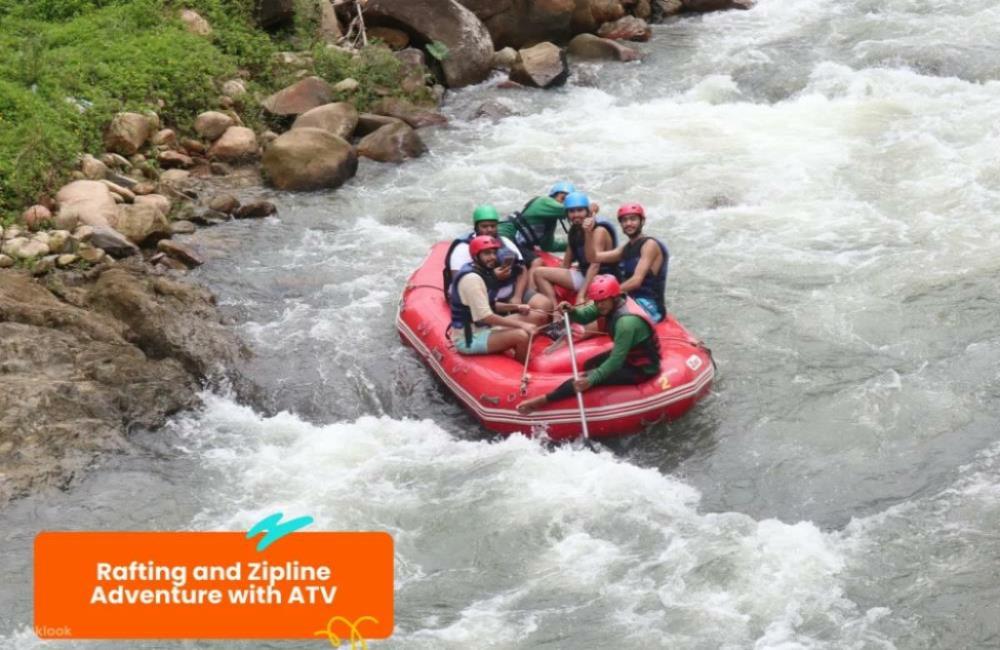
x=827, y=177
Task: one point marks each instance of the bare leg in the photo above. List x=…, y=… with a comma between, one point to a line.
x=547, y=276
x=502, y=340
x=541, y=308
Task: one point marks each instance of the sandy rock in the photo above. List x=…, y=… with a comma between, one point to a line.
x=255, y=210
x=141, y=223
x=174, y=159
x=127, y=195
x=392, y=143
x=408, y=112
x=182, y=227
x=158, y=201
x=86, y=202
x=309, y=159
x=65, y=260
x=626, y=28
x=60, y=241
x=300, y=97
x=540, y=66
x=82, y=234
x=222, y=169
x=175, y=178
x=193, y=146
x=127, y=133
x=504, y=59
x=93, y=168
x=212, y=124
x=329, y=26
x=195, y=24
x=470, y=48
x=44, y=265
x=224, y=203
x=6, y=261
x=370, y=122
x=110, y=240
x=237, y=144
x=234, y=88
x=668, y=7
x=36, y=217
x=140, y=189
x=22, y=248
x=180, y=252
x=590, y=47
x=90, y=254
x=11, y=232
x=339, y=118
x=164, y=138
x=346, y=86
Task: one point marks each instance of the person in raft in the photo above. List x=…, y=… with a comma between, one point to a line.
x=485, y=219
x=642, y=260
x=476, y=326
x=535, y=224
x=635, y=356
x=577, y=279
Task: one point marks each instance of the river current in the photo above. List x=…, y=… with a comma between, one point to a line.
x=827, y=177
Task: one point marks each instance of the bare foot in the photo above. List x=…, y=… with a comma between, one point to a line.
x=529, y=405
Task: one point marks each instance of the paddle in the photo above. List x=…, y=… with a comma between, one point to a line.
x=576, y=377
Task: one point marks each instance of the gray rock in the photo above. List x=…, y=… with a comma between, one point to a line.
x=111, y=241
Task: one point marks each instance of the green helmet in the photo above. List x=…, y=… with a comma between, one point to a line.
x=485, y=212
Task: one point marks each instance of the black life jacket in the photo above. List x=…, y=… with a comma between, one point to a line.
x=447, y=275
x=646, y=355
x=461, y=315
x=576, y=244
x=654, y=285
x=527, y=235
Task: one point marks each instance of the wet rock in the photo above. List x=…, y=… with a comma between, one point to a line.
x=237, y=144
x=86, y=364
x=212, y=124
x=392, y=143
x=37, y=216
x=220, y=168
x=182, y=227
x=339, y=118
x=224, y=203
x=590, y=47
x=626, y=28
x=540, y=66
x=470, y=47
x=180, y=252
x=370, y=122
x=127, y=133
x=255, y=210
x=492, y=110
x=413, y=115
x=175, y=178
x=300, y=97
x=716, y=5
x=309, y=159
x=504, y=59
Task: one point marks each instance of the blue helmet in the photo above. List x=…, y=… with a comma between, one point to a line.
x=576, y=200
x=562, y=187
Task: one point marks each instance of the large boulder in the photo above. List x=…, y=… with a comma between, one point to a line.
x=237, y=144
x=470, y=48
x=85, y=202
x=212, y=124
x=141, y=223
x=392, y=143
x=339, y=118
x=300, y=97
x=626, y=28
x=540, y=66
x=588, y=46
x=517, y=23
x=309, y=159
x=128, y=132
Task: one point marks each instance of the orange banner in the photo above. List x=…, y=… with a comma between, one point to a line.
x=164, y=585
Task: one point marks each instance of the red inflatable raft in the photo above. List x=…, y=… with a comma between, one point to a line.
x=490, y=385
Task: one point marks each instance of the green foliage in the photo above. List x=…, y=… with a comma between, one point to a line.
x=376, y=70
x=438, y=50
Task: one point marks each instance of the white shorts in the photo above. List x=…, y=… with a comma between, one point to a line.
x=578, y=279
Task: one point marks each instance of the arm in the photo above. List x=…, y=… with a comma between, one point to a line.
x=584, y=314
x=626, y=334
x=646, y=258
x=519, y=287
x=581, y=295
x=594, y=255
x=567, y=259
x=496, y=320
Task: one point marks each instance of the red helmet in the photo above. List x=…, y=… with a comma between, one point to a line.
x=632, y=208
x=483, y=243
x=604, y=286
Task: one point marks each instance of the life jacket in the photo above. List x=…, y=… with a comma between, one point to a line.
x=646, y=355
x=527, y=235
x=447, y=275
x=576, y=243
x=461, y=315
x=654, y=286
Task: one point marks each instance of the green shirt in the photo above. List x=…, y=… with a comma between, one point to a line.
x=630, y=331
x=541, y=212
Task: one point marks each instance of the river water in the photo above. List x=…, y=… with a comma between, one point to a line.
x=827, y=176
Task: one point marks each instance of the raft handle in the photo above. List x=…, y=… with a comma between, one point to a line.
x=495, y=401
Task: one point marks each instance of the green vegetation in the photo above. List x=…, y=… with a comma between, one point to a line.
x=67, y=66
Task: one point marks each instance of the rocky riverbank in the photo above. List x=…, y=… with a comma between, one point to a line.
x=98, y=335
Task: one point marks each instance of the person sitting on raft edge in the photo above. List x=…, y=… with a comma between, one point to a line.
x=635, y=357
x=534, y=225
x=642, y=260
x=485, y=219
x=476, y=327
